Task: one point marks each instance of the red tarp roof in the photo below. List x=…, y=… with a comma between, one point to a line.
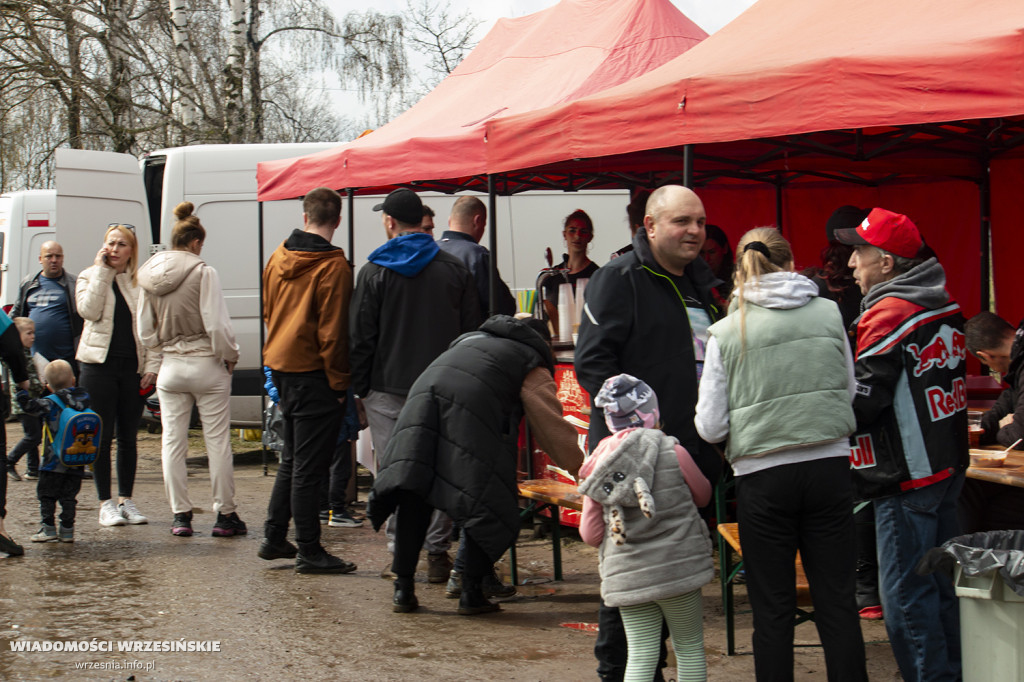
x=572, y=50
x=793, y=66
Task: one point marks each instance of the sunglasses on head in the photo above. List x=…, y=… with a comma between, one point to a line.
x=127, y=226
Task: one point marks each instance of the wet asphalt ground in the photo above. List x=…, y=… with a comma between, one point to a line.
x=136, y=603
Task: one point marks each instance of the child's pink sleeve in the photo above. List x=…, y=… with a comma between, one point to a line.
x=698, y=484
x=592, y=522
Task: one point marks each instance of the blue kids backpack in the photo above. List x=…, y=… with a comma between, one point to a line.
x=78, y=434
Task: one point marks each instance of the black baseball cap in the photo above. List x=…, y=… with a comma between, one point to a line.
x=403, y=205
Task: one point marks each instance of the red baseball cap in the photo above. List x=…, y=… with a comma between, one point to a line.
x=892, y=232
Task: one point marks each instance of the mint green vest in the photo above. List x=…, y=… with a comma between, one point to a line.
x=789, y=386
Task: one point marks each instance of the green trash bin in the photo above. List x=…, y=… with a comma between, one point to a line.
x=991, y=627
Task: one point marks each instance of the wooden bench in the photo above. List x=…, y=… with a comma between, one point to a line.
x=729, y=539
x=543, y=493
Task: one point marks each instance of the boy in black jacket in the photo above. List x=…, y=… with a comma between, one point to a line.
x=56, y=481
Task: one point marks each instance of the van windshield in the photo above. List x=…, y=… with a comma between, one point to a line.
x=153, y=178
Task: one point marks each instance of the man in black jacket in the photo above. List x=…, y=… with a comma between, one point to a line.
x=647, y=314
x=466, y=225
x=411, y=300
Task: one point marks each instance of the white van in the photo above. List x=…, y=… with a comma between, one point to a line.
x=95, y=189
x=98, y=188
x=27, y=219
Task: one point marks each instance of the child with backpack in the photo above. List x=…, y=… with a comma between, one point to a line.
x=31, y=425
x=71, y=437
x=642, y=491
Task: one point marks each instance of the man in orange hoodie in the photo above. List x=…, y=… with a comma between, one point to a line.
x=307, y=285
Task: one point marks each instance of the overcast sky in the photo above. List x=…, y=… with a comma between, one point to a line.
x=710, y=15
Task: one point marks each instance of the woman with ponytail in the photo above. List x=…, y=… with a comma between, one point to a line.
x=778, y=384
x=184, y=316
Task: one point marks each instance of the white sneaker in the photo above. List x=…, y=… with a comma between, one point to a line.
x=110, y=516
x=131, y=513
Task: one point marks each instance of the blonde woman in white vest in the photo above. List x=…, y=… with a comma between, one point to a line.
x=114, y=366
x=183, y=316
x=778, y=386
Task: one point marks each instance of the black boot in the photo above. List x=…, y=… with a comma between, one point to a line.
x=493, y=587
x=868, y=601
x=313, y=558
x=472, y=600
x=405, y=600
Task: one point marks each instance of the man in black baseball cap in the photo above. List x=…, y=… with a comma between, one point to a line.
x=403, y=205
x=411, y=301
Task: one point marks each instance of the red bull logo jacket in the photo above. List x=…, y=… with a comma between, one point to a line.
x=911, y=403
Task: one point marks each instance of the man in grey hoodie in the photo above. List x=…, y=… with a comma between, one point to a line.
x=909, y=452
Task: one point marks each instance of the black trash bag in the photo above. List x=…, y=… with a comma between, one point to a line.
x=979, y=553
x=273, y=434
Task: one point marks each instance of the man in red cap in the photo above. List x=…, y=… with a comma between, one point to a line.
x=909, y=453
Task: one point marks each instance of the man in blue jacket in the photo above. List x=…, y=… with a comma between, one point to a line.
x=411, y=301
x=909, y=452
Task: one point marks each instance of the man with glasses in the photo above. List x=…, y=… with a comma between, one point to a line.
x=48, y=298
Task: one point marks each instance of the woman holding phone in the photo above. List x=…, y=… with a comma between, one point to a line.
x=114, y=366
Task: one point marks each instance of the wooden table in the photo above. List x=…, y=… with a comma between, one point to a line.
x=1011, y=473
x=544, y=493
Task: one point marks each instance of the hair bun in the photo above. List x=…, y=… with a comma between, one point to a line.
x=183, y=210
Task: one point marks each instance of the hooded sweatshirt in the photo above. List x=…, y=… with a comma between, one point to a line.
x=181, y=307
x=411, y=301
x=307, y=285
x=796, y=351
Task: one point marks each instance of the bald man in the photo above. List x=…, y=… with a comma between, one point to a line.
x=466, y=225
x=48, y=298
x=646, y=313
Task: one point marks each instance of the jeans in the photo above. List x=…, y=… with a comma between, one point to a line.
x=204, y=381
x=32, y=426
x=113, y=388
x=922, y=616
x=805, y=506
x=312, y=416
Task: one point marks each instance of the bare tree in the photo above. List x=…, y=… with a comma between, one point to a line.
x=441, y=36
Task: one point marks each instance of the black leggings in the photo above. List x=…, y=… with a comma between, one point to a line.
x=114, y=395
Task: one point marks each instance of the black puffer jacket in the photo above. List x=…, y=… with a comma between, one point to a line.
x=454, y=443
x=636, y=322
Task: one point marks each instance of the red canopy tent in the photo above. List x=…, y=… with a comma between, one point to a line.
x=571, y=50
x=797, y=107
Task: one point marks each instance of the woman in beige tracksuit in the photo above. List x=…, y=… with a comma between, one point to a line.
x=114, y=366
x=183, y=315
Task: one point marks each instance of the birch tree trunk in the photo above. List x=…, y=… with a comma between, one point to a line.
x=255, y=83
x=182, y=69
x=119, y=95
x=234, y=74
